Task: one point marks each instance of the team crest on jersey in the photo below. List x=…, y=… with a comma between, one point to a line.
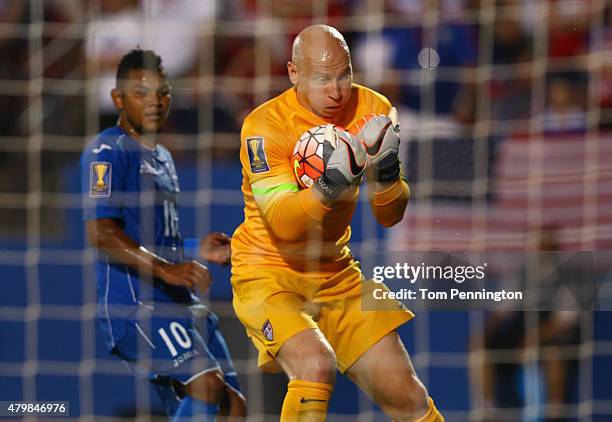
x=267, y=330
x=257, y=154
x=100, y=179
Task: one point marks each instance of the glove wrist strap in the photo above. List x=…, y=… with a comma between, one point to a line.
x=387, y=172
x=328, y=188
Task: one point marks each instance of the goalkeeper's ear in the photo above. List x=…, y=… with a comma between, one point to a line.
x=293, y=72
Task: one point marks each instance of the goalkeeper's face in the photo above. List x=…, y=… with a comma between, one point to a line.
x=323, y=81
x=143, y=101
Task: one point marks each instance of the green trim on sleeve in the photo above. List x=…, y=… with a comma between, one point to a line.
x=285, y=187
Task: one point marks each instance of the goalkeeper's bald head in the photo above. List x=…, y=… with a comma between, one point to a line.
x=318, y=43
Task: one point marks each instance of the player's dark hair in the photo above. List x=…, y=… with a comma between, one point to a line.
x=137, y=59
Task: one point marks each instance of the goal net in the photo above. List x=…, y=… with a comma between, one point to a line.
x=506, y=127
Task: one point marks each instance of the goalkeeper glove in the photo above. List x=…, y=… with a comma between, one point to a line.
x=380, y=138
x=345, y=161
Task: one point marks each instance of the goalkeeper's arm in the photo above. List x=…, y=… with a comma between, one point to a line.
x=388, y=201
x=291, y=215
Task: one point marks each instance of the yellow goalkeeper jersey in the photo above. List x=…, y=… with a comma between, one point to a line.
x=288, y=228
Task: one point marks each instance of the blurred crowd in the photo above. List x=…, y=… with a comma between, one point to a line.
x=466, y=70
x=524, y=66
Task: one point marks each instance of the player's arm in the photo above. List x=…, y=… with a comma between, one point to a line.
x=389, y=201
x=106, y=235
x=215, y=247
x=289, y=212
x=389, y=192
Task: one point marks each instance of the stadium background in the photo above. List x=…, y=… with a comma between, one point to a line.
x=505, y=129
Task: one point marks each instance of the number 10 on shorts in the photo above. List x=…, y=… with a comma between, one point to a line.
x=180, y=334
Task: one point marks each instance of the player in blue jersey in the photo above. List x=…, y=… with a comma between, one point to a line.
x=148, y=306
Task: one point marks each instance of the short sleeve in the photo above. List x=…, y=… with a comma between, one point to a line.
x=103, y=181
x=265, y=154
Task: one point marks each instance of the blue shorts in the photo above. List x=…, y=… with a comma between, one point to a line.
x=175, y=343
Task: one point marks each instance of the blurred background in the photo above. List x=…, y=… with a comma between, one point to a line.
x=506, y=115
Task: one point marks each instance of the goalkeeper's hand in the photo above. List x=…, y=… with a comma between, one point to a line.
x=345, y=161
x=380, y=138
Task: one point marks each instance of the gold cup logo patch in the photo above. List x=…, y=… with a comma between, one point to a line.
x=100, y=170
x=254, y=146
x=257, y=155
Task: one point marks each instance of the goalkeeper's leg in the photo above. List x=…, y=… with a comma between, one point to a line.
x=386, y=374
x=310, y=363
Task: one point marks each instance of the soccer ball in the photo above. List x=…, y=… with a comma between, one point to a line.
x=308, y=158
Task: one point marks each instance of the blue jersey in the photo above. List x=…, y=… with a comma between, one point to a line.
x=138, y=187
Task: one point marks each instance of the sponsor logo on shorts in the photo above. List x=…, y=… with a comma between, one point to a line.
x=184, y=358
x=267, y=330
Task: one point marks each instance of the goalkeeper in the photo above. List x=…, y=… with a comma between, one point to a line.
x=147, y=303
x=297, y=288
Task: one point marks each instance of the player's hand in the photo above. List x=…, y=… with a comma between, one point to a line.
x=345, y=161
x=216, y=248
x=380, y=138
x=190, y=274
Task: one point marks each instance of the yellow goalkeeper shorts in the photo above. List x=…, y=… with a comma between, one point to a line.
x=275, y=304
